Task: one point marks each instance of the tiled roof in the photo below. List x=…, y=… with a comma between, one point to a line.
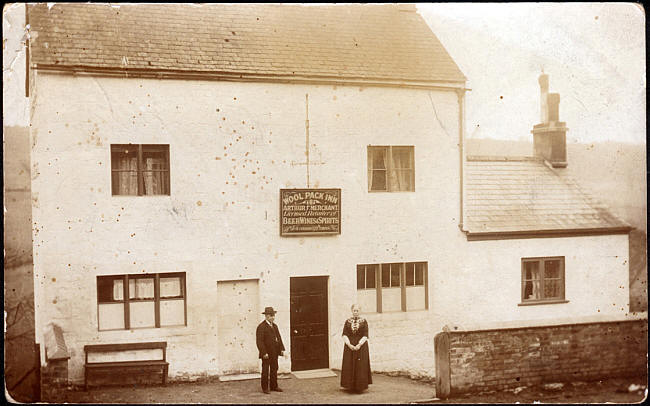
x=350, y=41
x=506, y=195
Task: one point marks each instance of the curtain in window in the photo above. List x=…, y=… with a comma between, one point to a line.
x=400, y=176
x=532, y=285
x=552, y=279
x=127, y=176
x=154, y=183
x=118, y=289
x=141, y=288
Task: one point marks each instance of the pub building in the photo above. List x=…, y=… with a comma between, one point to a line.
x=186, y=176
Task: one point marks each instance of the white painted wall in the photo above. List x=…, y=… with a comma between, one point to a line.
x=487, y=283
x=232, y=147
x=215, y=230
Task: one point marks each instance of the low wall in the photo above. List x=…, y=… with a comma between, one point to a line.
x=475, y=361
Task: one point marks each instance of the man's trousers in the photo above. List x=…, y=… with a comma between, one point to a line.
x=270, y=373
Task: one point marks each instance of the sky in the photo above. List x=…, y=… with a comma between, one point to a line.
x=594, y=54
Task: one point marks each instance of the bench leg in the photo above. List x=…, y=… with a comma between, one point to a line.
x=86, y=379
x=164, y=379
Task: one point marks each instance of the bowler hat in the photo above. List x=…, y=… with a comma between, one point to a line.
x=269, y=310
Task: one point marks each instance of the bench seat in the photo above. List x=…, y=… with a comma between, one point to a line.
x=133, y=367
x=99, y=365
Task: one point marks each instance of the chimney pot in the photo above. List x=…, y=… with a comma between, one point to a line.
x=543, y=81
x=543, y=87
x=553, y=107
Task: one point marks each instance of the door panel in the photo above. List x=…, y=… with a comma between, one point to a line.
x=309, y=332
x=237, y=316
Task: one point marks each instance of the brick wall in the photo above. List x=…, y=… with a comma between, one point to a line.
x=54, y=380
x=474, y=361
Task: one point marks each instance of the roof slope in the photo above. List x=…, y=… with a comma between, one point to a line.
x=506, y=195
x=351, y=41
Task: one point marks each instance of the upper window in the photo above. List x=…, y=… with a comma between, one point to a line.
x=140, y=169
x=392, y=287
x=542, y=279
x=141, y=301
x=391, y=169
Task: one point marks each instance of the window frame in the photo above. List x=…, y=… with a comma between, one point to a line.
x=541, y=262
x=403, y=266
x=389, y=167
x=140, y=167
x=126, y=299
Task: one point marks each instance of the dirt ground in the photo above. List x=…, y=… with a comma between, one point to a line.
x=385, y=389
x=606, y=391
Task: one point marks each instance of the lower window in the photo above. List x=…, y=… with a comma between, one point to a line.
x=141, y=301
x=389, y=287
x=542, y=279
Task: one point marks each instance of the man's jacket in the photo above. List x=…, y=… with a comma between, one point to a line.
x=269, y=340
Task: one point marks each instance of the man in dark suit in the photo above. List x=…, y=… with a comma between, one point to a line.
x=269, y=344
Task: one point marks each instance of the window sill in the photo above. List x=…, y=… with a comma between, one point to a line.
x=391, y=191
x=133, y=329
x=151, y=196
x=543, y=302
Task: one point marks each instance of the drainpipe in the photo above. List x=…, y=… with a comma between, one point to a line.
x=461, y=152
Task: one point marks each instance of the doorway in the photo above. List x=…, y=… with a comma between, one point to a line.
x=309, y=321
x=237, y=316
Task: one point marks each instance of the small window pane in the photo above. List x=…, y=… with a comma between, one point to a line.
x=155, y=162
x=124, y=169
x=410, y=274
x=552, y=268
x=377, y=168
x=401, y=175
x=402, y=157
x=531, y=270
x=385, y=275
x=155, y=157
x=415, y=298
x=552, y=289
x=172, y=313
x=419, y=274
x=370, y=276
x=378, y=157
x=111, y=316
x=394, y=275
x=141, y=288
x=142, y=314
x=361, y=277
x=378, y=181
x=110, y=289
x=171, y=287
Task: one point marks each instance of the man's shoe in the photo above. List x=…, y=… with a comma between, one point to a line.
x=277, y=390
x=266, y=391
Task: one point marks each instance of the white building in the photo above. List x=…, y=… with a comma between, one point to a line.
x=162, y=139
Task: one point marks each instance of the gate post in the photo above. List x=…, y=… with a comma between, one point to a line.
x=443, y=370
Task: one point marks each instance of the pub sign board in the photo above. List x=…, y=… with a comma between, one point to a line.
x=310, y=211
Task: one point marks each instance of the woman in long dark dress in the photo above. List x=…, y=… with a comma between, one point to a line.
x=355, y=370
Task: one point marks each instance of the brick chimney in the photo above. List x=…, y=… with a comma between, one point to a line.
x=549, y=137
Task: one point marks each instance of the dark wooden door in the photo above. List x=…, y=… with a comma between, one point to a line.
x=309, y=333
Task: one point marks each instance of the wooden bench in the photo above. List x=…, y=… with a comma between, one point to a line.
x=135, y=367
